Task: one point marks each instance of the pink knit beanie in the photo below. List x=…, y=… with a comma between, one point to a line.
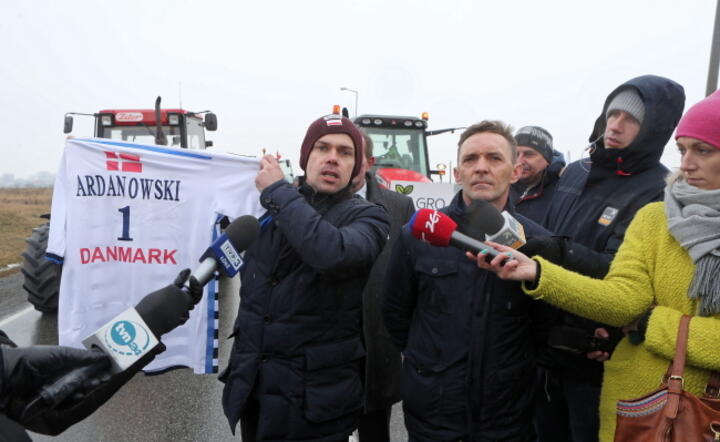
x=702, y=121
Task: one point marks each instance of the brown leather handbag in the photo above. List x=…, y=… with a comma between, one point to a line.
x=670, y=413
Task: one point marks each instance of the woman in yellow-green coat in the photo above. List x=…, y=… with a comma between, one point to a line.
x=668, y=266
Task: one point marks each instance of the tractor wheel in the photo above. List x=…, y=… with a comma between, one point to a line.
x=42, y=277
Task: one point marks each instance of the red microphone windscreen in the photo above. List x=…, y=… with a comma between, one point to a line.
x=432, y=226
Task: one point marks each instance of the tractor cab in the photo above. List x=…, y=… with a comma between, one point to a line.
x=166, y=127
x=399, y=147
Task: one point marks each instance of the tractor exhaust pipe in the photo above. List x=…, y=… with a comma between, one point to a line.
x=160, y=138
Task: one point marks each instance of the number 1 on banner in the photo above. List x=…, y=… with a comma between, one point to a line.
x=126, y=224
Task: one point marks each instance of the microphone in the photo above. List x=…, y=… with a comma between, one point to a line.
x=132, y=334
x=440, y=230
x=483, y=218
x=224, y=253
x=131, y=339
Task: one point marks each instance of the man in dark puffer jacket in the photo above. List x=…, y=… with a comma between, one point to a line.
x=295, y=368
x=593, y=205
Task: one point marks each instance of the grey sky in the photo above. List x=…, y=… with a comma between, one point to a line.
x=269, y=68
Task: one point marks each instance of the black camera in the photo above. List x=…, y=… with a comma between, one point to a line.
x=577, y=340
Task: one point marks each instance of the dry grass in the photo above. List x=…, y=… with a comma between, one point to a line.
x=20, y=211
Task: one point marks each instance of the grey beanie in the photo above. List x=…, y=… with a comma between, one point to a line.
x=537, y=138
x=629, y=101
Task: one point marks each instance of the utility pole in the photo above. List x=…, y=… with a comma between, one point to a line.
x=356, y=95
x=714, y=55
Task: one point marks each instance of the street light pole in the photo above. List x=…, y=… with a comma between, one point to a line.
x=356, y=97
x=714, y=54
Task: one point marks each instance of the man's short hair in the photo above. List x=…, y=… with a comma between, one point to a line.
x=368, y=144
x=495, y=127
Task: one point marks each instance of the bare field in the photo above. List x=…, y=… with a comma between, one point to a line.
x=20, y=211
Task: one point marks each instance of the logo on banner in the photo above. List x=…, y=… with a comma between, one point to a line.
x=123, y=161
x=404, y=190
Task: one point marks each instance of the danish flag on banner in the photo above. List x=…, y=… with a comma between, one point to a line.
x=127, y=162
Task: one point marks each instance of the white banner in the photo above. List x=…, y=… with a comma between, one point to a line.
x=426, y=195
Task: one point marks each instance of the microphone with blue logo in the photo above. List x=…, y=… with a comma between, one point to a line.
x=136, y=331
x=132, y=338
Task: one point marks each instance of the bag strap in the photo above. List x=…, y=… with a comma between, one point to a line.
x=675, y=381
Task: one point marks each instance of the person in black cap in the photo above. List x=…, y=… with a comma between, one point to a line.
x=594, y=202
x=541, y=168
x=295, y=368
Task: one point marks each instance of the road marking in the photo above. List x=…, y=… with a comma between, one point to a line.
x=10, y=266
x=14, y=316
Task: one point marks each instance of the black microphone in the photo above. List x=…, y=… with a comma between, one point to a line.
x=224, y=253
x=483, y=219
x=134, y=334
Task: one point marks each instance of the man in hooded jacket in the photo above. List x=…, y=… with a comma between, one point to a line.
x=594, y=202
x=295, y=369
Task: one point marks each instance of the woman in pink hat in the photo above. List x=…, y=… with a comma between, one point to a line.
x=667, y=266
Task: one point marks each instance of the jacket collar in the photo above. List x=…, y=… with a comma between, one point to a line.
x=322, y=202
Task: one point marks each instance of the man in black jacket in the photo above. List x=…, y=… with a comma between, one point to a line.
x=541, y=168
x=295, y=367
x=593, y=205
x=469, y=340
x=382, y=363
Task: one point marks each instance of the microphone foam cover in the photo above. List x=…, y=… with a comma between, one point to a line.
x=243, y=231
x=432, y=226
x=481, y=216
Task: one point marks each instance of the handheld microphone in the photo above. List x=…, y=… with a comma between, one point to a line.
x=224, y=253
x=440, y=230
x=136, y=331
x=132, y=337
x=502, y=228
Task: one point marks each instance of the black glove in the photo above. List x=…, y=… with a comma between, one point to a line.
x=552, y=248
x=27, y=370
x=53, y=421
x=168, y=308
x=637, y=336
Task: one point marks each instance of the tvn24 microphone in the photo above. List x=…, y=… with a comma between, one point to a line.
x=440, y=230
x=483, y=218
x=134, y=334
x=132, y=337
x=136, y=331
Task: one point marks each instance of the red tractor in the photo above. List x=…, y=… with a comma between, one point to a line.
x=400, y=147
x=165, y=127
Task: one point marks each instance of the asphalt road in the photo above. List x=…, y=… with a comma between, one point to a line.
x=175, y=406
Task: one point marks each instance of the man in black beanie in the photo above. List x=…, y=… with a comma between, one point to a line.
x=541, y=168
x=295, y=367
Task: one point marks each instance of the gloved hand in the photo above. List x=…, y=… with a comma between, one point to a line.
x=26, y=370
x=552, y=248
x=168, y=308
x=55, y=420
